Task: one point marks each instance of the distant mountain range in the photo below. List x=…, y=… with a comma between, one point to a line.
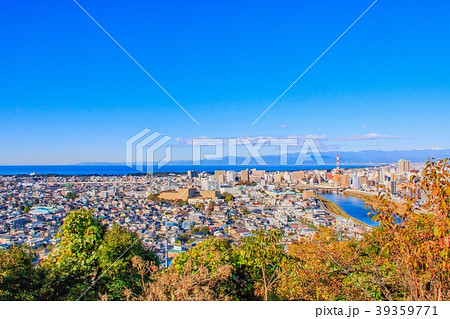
x=382, y=157
x=346, y=158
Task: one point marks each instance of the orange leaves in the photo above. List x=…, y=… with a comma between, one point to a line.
x=419, y=244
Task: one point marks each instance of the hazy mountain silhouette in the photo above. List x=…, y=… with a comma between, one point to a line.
x=359, y=157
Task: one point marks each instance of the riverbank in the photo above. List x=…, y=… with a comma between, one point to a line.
x=368, y=198
x=372, y=200
x=338, y=211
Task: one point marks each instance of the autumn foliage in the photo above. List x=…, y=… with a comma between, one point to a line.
x=405, y=258
x=416, y=241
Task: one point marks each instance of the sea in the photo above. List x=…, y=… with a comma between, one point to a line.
x=118, y=169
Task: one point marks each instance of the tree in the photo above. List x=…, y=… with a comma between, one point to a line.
x=405, y=258
x=115, y=255
x=259, y=257
x=71, y=195
x=19, y=278
x=417, y=242
x=92, y=262
x=321, y=268
x=200, y=206
x=183, y=238
x=200, y=229
x=228, y=197
x=215, y=255
x=211, y=206
x=154, y=197
x=73, y=263
x=80, y=237
x=186, y=284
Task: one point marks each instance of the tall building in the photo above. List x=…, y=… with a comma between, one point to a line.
x=355, y=182
x=220, y=176
x=393, y=187
x=231, y=176
x=277, y=178
x=392, y=177
x=337, y=178
x=192, y=174
x=245, y=175
x=256, y=175
x=345, y=181
x=363, y=180
x=404, y=166
x=297, y=176
x=210, y=184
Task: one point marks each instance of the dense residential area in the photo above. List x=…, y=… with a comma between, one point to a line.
x=248, y=235
x=172, y=213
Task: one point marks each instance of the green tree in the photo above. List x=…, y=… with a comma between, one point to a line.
x=210, y=253
x=228, y=197
x=73, y=263
x=259, y=258
x=26, y=208
x=200, y=229
x=183, y=238
x=154, y=197
x=217, y=257
x=92, y=262
x=115, y=253
x=80, y=237
x=71, y=195
x=19, y=278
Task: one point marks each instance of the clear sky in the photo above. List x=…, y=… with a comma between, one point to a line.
x=69, y=94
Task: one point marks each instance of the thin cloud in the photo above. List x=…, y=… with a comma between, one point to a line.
x=371, y=136
x=317, y=137
x=253, y=139
x=323, y=140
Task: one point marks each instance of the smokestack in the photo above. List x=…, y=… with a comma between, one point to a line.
x=337, y=161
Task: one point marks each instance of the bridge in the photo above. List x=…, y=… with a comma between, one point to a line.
x=321, y=187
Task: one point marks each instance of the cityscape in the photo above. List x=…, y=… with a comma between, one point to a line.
x=256, y=151
x=173, y=212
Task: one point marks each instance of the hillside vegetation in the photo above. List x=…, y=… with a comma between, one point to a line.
x=405, y=258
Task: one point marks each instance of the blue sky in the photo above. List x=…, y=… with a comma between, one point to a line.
x=69, y=94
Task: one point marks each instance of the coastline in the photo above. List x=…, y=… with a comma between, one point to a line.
x=119, y=170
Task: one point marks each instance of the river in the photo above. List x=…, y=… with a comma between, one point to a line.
x=352, y=206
